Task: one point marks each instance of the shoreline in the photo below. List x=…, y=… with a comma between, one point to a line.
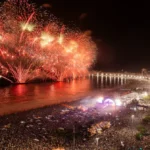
x=27, y=107
x=114, y=89
x=70, y=102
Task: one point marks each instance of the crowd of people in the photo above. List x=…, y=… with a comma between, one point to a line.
x=67, y=128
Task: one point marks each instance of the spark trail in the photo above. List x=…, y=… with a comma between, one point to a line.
x=32, y=47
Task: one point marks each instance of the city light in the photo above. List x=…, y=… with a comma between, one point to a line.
x=100, y=99
x=145, y=94
x=118, y=102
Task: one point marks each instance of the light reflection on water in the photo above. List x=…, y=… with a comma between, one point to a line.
x=27, y=96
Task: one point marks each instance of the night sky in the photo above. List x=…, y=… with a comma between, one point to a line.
x=121, y=29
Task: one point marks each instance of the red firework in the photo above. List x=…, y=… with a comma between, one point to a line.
x=30, y=49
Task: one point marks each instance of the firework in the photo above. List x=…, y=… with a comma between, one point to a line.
x=34, y=47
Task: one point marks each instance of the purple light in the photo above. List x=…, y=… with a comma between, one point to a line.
x=109, y=101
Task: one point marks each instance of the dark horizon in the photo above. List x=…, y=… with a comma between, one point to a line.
x=123, y=27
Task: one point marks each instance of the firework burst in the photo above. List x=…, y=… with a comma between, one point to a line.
x=32, y=47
